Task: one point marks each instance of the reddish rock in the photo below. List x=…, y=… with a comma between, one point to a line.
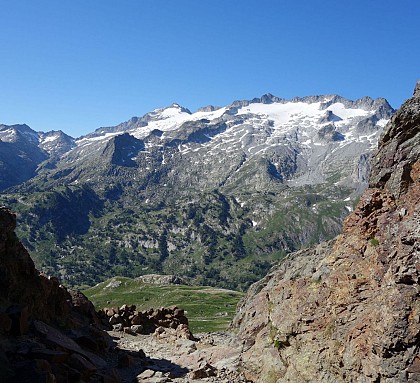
x=57, y=339
x=83, y=306
x=89, y=342
x=109, y=377
x=415, y=366
x=38, y=307
x=33, y=371
x=115, y=319
x=203, y=370
x=137, y=320
x=183, y=332
x=125, y=360
x=21, y=284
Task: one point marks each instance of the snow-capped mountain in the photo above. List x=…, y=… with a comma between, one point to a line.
x=55, y=143
x=261, y=142
x=22, y=150
x=215, y=195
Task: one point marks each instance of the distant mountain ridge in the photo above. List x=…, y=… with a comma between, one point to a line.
x=22, y=150
x=220, y=181
x=242, y=128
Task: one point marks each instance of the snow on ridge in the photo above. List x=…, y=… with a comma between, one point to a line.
x=50, y=138
x=8, y=135
x=286, y=113
x=174, y=118
x=281, y=116
x=345, y=113
x=282, y=113
x=172, y=111
x=208, y=115
x=89, y=140
x=382, y=122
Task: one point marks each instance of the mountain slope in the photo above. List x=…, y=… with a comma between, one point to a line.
x=348, y=310
x=22, y=150
x=216, y=195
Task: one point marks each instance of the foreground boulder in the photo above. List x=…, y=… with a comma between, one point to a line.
x=348, y=310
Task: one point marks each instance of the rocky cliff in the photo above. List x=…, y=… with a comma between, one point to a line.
x=348, y=310
x=47, y=333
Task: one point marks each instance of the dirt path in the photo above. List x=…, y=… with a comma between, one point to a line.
x=163, y=357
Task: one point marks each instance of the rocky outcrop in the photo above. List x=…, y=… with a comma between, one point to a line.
x=348, y=310
x=47, y=333
x=399, y=149
x=127, y=319
x=156, y=279
x=21, y=284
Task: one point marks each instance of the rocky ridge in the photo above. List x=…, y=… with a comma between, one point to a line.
x=348, y=310
x=295, y=139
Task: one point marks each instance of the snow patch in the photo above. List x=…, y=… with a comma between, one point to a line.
x=50, y=139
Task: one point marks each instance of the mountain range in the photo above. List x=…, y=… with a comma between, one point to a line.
x=215, y=196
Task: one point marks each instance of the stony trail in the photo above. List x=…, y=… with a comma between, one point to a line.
x=164, y=357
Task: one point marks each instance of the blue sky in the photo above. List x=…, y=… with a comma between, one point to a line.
x=76, y=65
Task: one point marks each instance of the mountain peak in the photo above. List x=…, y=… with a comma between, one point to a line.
x=417, y=90
x=178, y=107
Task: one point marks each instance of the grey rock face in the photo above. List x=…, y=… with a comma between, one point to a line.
x=399, y=148
x=208, y=108
x=56, y=143
x=122, y=149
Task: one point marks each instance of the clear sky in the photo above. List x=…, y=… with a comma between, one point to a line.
x=77, y=65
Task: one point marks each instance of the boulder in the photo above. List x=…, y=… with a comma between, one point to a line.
x=137, y=329
x=203, y=370
x=83, y=306
x=81, y=364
